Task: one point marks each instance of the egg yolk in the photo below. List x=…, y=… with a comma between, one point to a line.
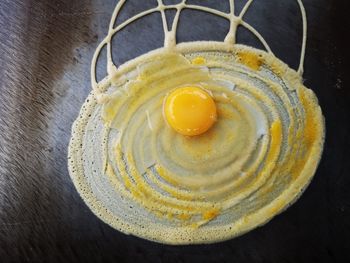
x=190, y=110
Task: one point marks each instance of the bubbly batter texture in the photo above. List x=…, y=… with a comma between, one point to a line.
x=143, y=178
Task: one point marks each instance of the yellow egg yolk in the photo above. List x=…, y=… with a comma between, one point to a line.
x=190, y=110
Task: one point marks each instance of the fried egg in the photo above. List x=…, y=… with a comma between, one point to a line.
x=190, y=110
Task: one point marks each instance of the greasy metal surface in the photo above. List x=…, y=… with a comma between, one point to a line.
x=45, y=52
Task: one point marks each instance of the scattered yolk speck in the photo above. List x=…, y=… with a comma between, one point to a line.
x=276, y=135
x=250, y=59
x=208, y=215
x=198, y=61
x=190, y=110
x=184, y=216
x=276, y=129
x=311, y=128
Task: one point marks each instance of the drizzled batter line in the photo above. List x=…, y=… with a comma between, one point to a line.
x=245, y=8
x=170, y=35
x=303, y=46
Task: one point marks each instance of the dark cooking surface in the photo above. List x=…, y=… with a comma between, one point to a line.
x=45, y=52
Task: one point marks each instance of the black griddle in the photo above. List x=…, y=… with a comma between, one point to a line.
x=45, y=53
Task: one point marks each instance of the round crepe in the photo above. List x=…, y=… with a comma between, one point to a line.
x=142, y=178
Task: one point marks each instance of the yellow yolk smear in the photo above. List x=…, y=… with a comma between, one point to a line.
x=190, y=110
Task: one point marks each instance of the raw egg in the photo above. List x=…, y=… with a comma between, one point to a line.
x=190, y=110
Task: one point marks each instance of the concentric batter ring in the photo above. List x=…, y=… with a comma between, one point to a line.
x=144, y=179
